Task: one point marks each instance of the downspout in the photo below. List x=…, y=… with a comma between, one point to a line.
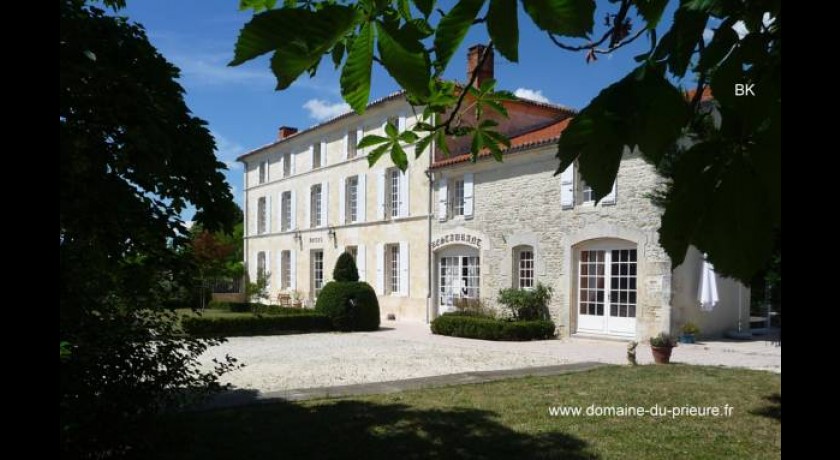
x=430, y=262
x=245, y=228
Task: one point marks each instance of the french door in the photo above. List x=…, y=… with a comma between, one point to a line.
x=459, y=278
x=607, y=291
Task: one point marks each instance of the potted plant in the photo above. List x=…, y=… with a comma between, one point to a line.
x=661, y=347
x=688, y=332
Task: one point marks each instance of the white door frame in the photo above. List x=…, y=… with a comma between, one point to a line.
x=613, y=298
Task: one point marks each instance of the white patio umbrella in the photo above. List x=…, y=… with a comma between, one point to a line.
x=708, y=295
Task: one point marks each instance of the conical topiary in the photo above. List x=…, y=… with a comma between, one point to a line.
x=345, y=268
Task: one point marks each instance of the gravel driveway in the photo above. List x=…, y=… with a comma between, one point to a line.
x=403, y=350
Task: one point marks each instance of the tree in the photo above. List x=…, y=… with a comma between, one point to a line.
x=216, y=256
x=131, y=158
x=725, y=194
x=345, y=268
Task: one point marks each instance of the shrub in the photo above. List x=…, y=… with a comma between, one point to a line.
x=239, y=307
x=308, y=321
x=352, y=306
x=472, y=307
x=345, y=268
x=527, y=304
x=474, y=327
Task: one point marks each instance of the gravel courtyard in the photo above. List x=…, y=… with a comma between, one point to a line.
x=403, y=350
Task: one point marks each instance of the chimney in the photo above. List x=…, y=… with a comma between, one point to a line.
x=473, y=58
x=286, y=131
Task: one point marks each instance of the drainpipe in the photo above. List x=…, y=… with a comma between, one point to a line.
x=429, y=175
x=245, y=229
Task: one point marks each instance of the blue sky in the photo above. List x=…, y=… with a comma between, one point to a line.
x=244, y=111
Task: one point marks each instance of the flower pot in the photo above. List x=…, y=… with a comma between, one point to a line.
x=661, y=355
x=687, y=338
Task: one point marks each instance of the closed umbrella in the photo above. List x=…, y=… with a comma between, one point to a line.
x=708, y=294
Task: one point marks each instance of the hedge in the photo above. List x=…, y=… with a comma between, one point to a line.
x=475, y=327
x=307, y=321
x=261, y=308
x=352, y=306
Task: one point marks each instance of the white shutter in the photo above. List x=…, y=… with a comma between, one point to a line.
x=323, y=153
x=468, y=195
x=293, y=213
x=325, y=195
x=361, y=197
x=292, y=162
x=359, y=134
x=403, y=194
x=293, y=269
x=443, y=195
x=281, y=164
x=361, y=262
x=567, y=188
x=404, y=268
x=280, y=212
x=253, y=210
x=268, y=269
x=307, y=203
x=268, y=213
x=401, y=122
x=610, y=198
x=342, y=185
x=346, y=149
x=380, y=194
x=279, y=271
x=380, y=269
x=311, y=157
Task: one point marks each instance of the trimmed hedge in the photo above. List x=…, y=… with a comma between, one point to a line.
x=352, y=306
x=476, y=327
x=308, y=321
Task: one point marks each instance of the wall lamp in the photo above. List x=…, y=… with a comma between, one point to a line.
x=331, y=233
x=298, y=238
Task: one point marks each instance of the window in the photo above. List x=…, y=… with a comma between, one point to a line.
x=286, y=211
x=586, y=195
x=262, y=215
x=525, y=267
x=394, y=120
x=261, y=263
x=351, y=197
x=263, y=172
x=287, y=164
x=392, y=268
x=285, y=269
x=393, y=192
x=352, y=140
x=458, y=198
x=470, y=277
x=315, y=206
x=317, y=272
x=316, y=155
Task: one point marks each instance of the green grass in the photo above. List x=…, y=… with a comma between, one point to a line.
x=505, y=419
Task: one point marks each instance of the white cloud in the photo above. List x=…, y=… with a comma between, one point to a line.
x=227, y=151
x=322, y=110
x=210, y=69
x=534, y=95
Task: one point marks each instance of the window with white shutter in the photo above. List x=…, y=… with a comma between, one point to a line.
x=442, y=198
x=468, y=195
x=567, y=187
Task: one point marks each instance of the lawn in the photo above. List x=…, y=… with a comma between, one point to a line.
x=505, y=419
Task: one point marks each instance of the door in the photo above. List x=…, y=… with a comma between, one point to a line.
x=316, y=272
x=459, y=278
x=607, y=292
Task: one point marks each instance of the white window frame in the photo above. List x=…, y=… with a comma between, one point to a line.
x=317, y=154
x=262, y=172
x=587, y=196
x=315, y=205
x=352, y=141
x=286, y=211
x=525, y=268
x=351, y=199
x=393, y=195
x=317, y=273
x=287, y=164
x=262, y=215
x=262, y=263
x=285, y=270
x=392, y=269
x=457, y=200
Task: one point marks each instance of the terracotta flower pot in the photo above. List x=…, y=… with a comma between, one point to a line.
x=661, y=355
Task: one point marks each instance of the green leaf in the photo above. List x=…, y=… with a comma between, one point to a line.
x=391, y=130
x=453, y=28
x=404, y=60
x=355, y=76
x=294, y=32
x=423, y=144
x=425, y=6
x=651, y=11
x=573, y=18
x=409, y=137
x=370, y=140
x=503, y=27
x=721, y=44
x=398, y=156
x=337, y=54
x=256, y=5
x=374, y=156
x=641, y=110
x=678, y=44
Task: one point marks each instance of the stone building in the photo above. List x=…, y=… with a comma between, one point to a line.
x=449, y=228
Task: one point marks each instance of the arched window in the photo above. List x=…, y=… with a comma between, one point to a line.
x=523, y=267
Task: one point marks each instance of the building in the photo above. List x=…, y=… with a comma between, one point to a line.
x=449, y=228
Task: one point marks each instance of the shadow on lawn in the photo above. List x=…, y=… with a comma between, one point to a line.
x=354, y=429
x=773, y=410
